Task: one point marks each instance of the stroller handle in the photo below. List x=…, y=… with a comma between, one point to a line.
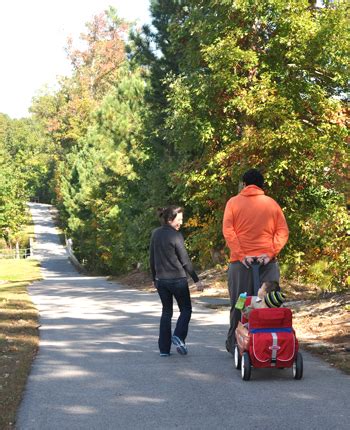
x=256, y=275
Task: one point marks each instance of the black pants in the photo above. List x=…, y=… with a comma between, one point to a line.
x=167, y=289
x=240, y=280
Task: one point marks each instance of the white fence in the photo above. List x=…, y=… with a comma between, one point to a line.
x=15, y=253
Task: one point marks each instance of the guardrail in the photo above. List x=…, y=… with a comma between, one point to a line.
x=73, y=258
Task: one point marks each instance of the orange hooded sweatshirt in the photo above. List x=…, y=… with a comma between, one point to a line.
x=254, y=224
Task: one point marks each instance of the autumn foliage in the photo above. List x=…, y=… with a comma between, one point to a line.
x=177, y=111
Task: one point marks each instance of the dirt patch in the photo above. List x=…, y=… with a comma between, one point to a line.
x=322, y=322
x=323, y=327
x=139, y=280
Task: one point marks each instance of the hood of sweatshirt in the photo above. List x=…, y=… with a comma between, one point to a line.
x=251, y=190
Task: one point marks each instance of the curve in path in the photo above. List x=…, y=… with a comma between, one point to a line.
x=98, y=365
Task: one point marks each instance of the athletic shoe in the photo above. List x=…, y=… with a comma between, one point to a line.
x=181, y=348
x=164, y=354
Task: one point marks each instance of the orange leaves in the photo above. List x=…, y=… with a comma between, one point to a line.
x=102, y=53
x=192, y=222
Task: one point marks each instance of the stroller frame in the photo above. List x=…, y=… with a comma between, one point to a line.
x=274, y=334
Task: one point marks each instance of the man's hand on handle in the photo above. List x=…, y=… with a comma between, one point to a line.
x=248, y=260
x=263, y=259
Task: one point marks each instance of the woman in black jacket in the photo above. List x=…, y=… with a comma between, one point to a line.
x=169, y=264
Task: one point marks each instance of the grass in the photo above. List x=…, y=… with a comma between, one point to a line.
x=19, y=338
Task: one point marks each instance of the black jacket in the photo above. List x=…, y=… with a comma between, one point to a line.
x=168, y=255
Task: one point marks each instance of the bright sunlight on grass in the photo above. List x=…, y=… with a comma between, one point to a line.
x=18, y=334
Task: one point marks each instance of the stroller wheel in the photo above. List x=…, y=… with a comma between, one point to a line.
x=298, y=367
x=246, y=367
x=237, y=358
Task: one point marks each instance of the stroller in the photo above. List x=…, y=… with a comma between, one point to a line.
x=268, y=340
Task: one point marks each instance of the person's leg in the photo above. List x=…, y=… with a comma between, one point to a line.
x=240, y=280
x=166, y=298
x=182, y=296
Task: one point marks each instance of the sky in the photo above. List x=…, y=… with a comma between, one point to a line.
x=33, y=34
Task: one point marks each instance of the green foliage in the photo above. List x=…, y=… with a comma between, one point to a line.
x=12, y=203
x=212, y=88
x=97, y=180
x=268, y=94
x=25, y=169
x=227, y=86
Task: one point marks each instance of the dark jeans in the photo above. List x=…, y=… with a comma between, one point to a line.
x=167, y=289
x=240, y=280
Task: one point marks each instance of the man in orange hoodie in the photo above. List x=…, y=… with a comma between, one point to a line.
x=253, y=226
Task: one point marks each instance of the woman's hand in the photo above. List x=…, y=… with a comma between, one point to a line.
x=199, y=286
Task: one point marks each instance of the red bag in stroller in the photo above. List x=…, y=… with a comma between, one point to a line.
x=272, y=338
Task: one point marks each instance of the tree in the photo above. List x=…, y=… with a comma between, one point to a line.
x=268, y=93
x=67, y=114
x=98, y=186
x=26, y=170
x=211, y=88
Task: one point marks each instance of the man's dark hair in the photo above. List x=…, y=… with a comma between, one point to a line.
x=253, y=177
x=169, y=213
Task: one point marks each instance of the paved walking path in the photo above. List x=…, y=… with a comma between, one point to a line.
x=98, y=365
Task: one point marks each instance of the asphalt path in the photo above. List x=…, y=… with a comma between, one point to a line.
x=98, y=365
